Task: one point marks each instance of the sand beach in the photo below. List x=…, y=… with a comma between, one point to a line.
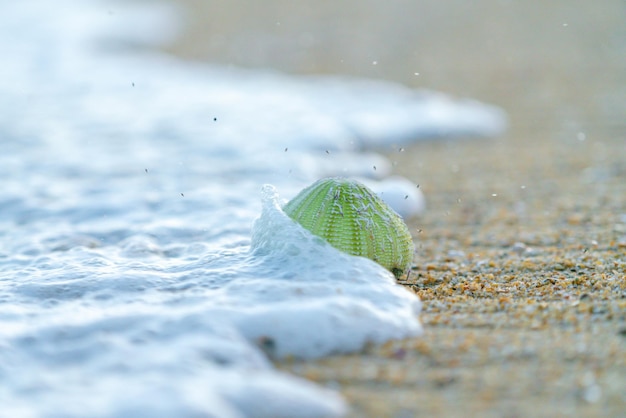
x=521, y=254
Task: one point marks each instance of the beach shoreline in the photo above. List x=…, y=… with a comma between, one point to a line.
x=523, y=290
x=521, y=254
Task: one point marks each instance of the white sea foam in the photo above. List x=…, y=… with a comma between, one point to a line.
x=134, y=279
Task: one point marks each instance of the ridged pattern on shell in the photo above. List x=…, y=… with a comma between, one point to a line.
x=353, y=219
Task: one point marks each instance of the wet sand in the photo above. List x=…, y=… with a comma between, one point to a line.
x=521, y=255
x=521, y=266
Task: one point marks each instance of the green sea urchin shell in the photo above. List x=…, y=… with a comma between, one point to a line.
x=353, y=219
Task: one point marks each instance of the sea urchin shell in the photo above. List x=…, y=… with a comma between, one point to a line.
x=353, y=219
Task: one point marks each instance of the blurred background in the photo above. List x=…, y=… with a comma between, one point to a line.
x=558, y=68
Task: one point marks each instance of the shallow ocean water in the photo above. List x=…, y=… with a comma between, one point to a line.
x=145, y=269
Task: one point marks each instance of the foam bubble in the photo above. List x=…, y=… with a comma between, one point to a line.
x=134, y=278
